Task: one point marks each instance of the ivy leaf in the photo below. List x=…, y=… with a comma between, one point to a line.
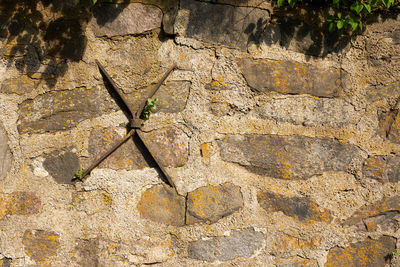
x=94, y=2
x=280, y=2
x=367, y=7
x=339, y=15
x=357, y=7
x=340, y=24
x=361, y=25
x=331, y=27
x=354, y=25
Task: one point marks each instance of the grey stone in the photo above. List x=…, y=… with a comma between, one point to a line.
x=290, y=77
x=308, y=111
x=21, y=85
x=163, y=205
x=289, y=157
x=224, y=24
x=63, y=110
x=62, y=166
x=169, y=145
x=86, y=252
x=383, y=213
x=5, y=155
x=365, y=253
x=382, y=168
x=242, y=243
x=301, y=208
x=172, y=96
x=123, y=19
x=211, y=203
x=127, y=156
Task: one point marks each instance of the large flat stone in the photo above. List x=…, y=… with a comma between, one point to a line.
x=383, y=214
x=211, y=203
x=289, y=157
x=172, y=96
x=290, y=77
x=62, y=166
x=163, y=205
x=123, y=19
x=382, y=168
x=40, y=245
x=241, y=243
x=169, y=145
x=223, y=24
x=5, y=155
x=63, y=110
x=302, y=208
x=365, y=253
x=127, y=156
x=309, y=111
x=20, y=85
x=19, y=203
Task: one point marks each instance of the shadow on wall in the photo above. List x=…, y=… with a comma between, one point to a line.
x=40, y=37
x=233, y=23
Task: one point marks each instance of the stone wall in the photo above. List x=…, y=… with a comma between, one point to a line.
x=283, y=140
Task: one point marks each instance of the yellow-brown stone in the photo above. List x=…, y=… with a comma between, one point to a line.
x=19, y=203
x=371, y=253
x=162, y=204
x=40, y=245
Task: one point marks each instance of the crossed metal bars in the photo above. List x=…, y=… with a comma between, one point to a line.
x=135, y=124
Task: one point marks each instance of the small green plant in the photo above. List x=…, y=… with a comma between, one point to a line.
x=395, y=253
x=149, y=108
x=79, y=174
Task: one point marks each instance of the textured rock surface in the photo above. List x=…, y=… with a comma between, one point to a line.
x=211, y=203
x=62, y=166
x=63, y=110
x=281, y=139
x=288, y=157
x=289, y=77
x=240, y=243
x=5, y=155
x=19, y=203
x=40, y=245
x=366, y=253
x=169, y=145
x=301, y=208
x=383, y=214
x=231, y=26
x=161, y=204
x=382, y=168
x=122, y=19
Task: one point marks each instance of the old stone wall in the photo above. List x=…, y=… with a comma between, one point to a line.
x=283, y=140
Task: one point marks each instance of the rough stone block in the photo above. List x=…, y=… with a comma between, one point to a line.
x=289, y=157
x=40, y=245
x=365, y=253
x=290, y=77
x=19, y=86
x=19, y=203
x=384, y=214
x=296, y=261
x=5, y=155
x=302, y=208
x=170, y=146
x=309, y=111
x=162, y=204
x=382, y=168
x=63, y=110
x=127, y=156
x=92, y=202
x=224, y=24
x=211, y=203
x=62, y=166
x=241, y=243
x=123, y=19
x=172, y=96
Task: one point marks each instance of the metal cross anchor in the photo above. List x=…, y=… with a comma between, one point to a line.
x=135, y=124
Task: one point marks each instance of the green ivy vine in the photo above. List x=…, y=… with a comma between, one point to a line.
x=348, y=15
